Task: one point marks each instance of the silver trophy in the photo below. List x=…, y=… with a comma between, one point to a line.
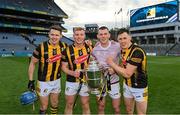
x=94, y=76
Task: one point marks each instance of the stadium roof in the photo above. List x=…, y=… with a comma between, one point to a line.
x=46, y=7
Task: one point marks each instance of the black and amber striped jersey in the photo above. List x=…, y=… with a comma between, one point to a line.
x=136, y=56
x=77, y=58
x=49, y=60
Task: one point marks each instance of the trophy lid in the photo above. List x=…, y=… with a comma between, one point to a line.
x=93, y=66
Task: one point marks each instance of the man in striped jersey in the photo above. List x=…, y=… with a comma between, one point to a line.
x=75, y=59
x=134, y=71
x=48, y=54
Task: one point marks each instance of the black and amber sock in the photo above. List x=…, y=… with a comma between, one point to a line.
x=42, y=111
x=54, y=110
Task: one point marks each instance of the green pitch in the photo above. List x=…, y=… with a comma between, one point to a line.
x=164, y=87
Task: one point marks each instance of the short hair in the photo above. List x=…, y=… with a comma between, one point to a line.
x=103, y=28
x=78, y=29
x=122, y=30
x=56, y=27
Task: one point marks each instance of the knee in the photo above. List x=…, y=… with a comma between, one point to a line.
x=101, y=106
x=116, y=110
x=85, y=106
x=129, y=110
x=55, y=103
x=44, y=107
x=69, y=104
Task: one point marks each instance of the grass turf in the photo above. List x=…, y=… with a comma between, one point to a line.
x=163, y=77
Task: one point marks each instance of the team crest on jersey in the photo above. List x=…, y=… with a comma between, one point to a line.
x=81, y=59
x=88, y=50
x=62, y=49
x=80, y=52
x=54, y=58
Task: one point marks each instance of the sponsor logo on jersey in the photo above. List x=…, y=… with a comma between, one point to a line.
x=54, y=58
x=81, y=59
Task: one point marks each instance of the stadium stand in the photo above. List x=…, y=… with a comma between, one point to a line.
x=25, y=23
x=11, y=38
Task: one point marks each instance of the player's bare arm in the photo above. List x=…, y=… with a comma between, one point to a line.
x=32, y=67
x=68, y=71
x=125, y=72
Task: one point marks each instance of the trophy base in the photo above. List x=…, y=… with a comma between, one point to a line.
x=94, y=91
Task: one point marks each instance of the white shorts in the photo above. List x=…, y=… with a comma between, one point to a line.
x=72, y=88
x=115, y=91
x=139, y=94
x=45, y=88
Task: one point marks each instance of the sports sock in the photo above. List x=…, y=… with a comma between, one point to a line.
x=54, y=110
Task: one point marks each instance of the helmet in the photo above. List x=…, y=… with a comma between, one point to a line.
x=28, y=97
